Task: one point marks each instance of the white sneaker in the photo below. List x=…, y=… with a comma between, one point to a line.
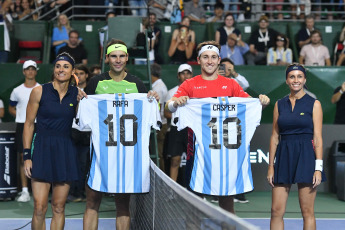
x=23, y=197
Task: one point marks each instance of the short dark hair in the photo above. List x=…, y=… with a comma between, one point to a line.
x=73, y=31
x=156, y=70
x=219, y=5
x=83, y=68
x=227, y=60
x=316, y=32
x=92, y=68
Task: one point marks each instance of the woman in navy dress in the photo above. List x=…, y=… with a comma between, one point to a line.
x=49, y=154
x=295, y=149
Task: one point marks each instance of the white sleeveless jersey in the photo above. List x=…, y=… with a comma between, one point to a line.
x=121, y=125
x=223, y=128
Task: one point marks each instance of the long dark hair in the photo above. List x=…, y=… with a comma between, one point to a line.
x=285, y=42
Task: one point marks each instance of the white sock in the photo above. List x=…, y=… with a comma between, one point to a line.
x=25, y=189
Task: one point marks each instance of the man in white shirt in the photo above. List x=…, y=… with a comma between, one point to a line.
x=159, y=87
x=18, y=101
x=178, y=140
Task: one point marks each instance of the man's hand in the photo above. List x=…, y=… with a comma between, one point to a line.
x=153, y=94
x=181, y=101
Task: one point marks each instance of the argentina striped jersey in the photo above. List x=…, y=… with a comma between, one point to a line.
x=223, y=128
x=121, y=125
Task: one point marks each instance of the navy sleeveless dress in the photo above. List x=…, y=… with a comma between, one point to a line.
x=295, y=155
x=54, y=156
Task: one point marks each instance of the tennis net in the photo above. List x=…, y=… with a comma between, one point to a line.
x=170, y=206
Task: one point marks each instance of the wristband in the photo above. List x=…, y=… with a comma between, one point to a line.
x=318, y=165
x=341, y=92
x=171, y=107
x=27, y=154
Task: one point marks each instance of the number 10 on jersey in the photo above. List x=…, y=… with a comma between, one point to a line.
x=225, y=130
x=122, y=120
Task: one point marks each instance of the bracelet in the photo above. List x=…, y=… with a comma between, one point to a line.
x=171, y=107
x=318, y=165
x=27, y=154
x=341, y=92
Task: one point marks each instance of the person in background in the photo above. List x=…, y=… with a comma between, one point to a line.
x=2, y=110
x=181, y=48
x=27, y=7
x=301, y=4
x=194, y=10
x=280, y=54
x=303, y=36
x=260, y=41
x=104, y=30
x=235, y=49
x=228, y=28
x=49, y=153
x=142, y=11
x=218, y=13
x=95, y=70
x=17, y=107
x=177, y=140
x=159, y=87
x=315, y=54
x=60, y=33
x=75, y=48
x=295, y=152
x=157, y=34
x=6, y=21
x=230, y=72
x=15, y=9
x=158, y=7
x=338, y=98
x=275, y=8
x=81, y=140
x=191, y=34
x=151, y=40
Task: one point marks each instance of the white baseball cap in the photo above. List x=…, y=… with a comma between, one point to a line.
x=184, y=67
x=29, y=63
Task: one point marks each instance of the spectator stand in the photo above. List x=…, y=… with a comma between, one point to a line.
x=330, y=35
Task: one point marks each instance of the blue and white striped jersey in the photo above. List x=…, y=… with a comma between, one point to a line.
x=121, y=125
x=223, y=128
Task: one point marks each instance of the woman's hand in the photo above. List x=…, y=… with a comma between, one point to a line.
x=270, y=175
x=81, y=94
x=27, y=168
x=317, y=178
x=264, y=99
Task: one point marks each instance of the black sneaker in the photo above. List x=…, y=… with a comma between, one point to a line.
x=240, y=198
